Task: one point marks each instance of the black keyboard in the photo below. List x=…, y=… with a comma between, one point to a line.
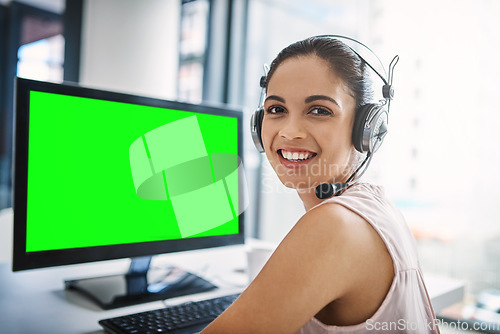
x=189, y=317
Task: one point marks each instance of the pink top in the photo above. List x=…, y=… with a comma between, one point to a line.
x=406, y=307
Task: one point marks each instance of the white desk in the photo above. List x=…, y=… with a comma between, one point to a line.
x=36, y=302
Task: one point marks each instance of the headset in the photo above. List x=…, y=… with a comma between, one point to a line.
x=370, y=121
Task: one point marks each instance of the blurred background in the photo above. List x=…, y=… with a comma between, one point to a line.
x=439, y=162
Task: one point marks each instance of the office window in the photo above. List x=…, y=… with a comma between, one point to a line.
x=441, y=158
x=33, y=44
x=42, y=60
x=192, y=47
x=41, y=47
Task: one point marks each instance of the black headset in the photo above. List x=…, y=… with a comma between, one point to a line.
x=370, y=121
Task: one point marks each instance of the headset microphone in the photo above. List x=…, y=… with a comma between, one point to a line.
x=327, y=190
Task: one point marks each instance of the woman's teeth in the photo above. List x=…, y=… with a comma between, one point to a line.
x=296, y=156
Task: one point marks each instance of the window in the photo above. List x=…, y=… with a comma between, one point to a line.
x=33, y=46
x=42, y=60
x=192, y=47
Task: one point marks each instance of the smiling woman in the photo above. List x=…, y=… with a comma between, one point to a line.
x=297, y=119
x=350, y=261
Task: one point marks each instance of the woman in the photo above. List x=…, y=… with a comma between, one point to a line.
x=350, y=263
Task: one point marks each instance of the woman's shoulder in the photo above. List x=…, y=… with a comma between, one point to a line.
x=367, y=200
x=339, y=227
x=350, y=252
x=362, y=191
x=330, y=216
x=338, y=211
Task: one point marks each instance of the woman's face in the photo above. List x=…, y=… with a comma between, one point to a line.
x=307, y=126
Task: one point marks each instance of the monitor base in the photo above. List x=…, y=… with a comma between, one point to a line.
x=135, y=288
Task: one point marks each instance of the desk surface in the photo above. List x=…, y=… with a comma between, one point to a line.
x=35, y=301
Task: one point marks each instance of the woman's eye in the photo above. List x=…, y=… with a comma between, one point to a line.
x=275, y=110
x=320, y=111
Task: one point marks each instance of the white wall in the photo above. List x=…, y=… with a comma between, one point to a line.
x=131, y=46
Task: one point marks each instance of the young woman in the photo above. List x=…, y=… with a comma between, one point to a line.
x=350, y=263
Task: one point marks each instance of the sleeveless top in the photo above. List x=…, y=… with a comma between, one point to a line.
x=406, y=307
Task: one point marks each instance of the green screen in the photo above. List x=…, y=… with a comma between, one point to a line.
x=105, y=173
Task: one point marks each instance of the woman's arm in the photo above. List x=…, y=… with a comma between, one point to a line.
x=324, y=258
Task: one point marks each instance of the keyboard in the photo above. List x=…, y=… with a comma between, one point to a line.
x=189, y=317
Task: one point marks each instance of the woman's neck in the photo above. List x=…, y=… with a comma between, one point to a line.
x=308, y=197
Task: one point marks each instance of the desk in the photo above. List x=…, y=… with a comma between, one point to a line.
x=35, y=301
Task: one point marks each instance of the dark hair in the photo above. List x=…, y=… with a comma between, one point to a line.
x=341, y=58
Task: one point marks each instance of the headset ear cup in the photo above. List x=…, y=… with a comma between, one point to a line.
x=370, y=127
x=360, y=120
x=256, y=129
x=378, y=129
x=260, y=117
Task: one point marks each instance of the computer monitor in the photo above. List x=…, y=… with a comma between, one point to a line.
x=103, y=175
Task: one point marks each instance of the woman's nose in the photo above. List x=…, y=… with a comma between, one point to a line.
x=293, y=128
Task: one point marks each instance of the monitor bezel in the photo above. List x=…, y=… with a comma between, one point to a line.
x=23, y=260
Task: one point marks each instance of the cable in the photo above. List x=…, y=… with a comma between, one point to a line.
x=368, y=156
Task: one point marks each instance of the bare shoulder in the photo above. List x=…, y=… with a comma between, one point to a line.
x=325, y=257
x=338, y=250
x=336, y=227
x=325, y=231
x=354, y=257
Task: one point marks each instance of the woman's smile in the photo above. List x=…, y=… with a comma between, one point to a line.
x=295, y=157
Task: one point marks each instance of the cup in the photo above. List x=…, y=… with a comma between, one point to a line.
x=257, y=257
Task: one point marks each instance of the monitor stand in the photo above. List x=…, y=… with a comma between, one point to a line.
x=140, y=285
